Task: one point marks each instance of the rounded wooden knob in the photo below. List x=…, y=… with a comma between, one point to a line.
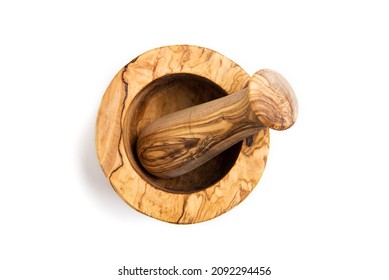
x=272, y=99
x=182, y=141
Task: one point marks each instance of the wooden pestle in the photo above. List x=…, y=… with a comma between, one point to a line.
x=179, y=142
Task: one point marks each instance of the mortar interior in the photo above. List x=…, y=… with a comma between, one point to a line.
x=163, y=96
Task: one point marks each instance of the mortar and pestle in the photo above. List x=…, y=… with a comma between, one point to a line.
x=182, y=131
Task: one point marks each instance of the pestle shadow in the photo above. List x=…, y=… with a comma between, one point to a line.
x=97, y=184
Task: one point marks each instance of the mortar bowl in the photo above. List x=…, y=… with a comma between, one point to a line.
x=163, y=81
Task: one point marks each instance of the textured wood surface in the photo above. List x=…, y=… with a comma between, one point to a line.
x=138, y=95
x=169, y=94
x=182, y=141
x=272, y=99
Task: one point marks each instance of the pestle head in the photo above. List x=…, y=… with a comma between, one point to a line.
x=272, y=99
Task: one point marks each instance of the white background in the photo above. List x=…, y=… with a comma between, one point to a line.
x=321, y=209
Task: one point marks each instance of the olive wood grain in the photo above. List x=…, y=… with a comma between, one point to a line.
x=163, y=81
x=179, y=142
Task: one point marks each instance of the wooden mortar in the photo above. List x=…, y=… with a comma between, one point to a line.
x=155, y=84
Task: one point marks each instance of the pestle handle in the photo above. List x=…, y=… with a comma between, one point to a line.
x=179, y=142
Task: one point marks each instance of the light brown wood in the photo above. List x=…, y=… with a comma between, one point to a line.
x=182, y=141
x=163, y=81
x=272, y=99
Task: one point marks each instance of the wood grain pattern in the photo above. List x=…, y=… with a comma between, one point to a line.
x=182, y=141
x=141, y=93
x=272, y=99
x=168, y=94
